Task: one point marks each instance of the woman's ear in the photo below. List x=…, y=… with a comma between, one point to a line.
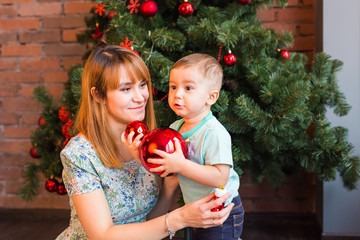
x=213, y=97
x=94, y=94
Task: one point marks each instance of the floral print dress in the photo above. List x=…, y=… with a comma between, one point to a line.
x=130, y=194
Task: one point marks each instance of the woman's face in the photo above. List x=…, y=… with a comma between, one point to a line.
x=127, y=103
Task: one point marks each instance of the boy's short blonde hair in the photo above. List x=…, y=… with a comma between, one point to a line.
x=206, y=65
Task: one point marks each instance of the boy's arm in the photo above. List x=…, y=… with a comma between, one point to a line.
x=210, y=175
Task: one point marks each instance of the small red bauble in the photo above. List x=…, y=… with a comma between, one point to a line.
x=285, y=54
x=61, y=189
x=41, y=122
x=243, y=2
x=52, y=185
x=162, y=139
x=33, y=152
x=64, y=114
x=137, y=127
x=229, y=59
x=186, y=9
x=148, y=8
x=65, y=129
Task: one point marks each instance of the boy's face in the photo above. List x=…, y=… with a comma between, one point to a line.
x=189, y=93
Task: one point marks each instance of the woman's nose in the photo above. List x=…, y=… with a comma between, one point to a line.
x=138, y=96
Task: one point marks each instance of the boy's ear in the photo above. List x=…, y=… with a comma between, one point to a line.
x=213, y=97
x=94, y=94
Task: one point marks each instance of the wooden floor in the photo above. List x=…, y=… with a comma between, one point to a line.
x=45, y=224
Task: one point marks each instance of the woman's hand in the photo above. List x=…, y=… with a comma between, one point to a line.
x=133, y=146
x=198, y=213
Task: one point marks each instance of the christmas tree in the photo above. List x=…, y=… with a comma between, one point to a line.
x=272, y=104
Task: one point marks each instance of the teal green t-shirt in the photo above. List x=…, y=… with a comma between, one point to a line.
x=210, y=144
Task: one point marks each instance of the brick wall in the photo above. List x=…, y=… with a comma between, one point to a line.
x=38, y=45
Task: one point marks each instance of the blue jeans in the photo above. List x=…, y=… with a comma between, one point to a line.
x=230, y=229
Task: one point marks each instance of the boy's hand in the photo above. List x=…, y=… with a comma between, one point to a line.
x=133, y=146
x=170, y=162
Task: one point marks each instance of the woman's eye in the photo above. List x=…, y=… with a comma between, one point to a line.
x=143, y=84
x=125, y=89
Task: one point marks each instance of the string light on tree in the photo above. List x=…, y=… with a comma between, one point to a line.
x=41, y=122
x=284, y=53
x=186, y=9
x=148, y=8
x=229, y=59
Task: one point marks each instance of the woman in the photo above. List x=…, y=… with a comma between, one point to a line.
x=111, y=194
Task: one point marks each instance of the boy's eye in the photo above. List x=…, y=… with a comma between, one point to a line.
x=172, y=87
x=188, y=88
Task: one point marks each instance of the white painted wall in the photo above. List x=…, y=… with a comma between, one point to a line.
x=341, y=34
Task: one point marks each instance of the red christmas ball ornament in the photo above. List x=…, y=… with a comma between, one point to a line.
x=52, y=185
x=229, y=59
x=186, y=9
x=162, y=139
x=64, y=114
x=137, y=127
x=61, y=189
x=148, y=8
x=41, y=122
x=243, y=2
x=285, y=54
x=33, y=152
x=65, y=129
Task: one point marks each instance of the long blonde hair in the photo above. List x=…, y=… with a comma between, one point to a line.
x=102, y=71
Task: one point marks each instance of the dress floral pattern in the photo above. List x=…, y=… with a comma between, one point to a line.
x=131, y=192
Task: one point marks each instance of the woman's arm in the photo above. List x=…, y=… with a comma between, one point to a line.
x=95, y=217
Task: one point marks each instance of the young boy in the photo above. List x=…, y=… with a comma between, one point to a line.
x=195, y=82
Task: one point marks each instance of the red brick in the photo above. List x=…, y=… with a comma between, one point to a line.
x=8, y=37
x=267, y=15
x=300, y=191
x=19, y=23
x=307, y=29
x=43, y=36
x=9, y=90
x=40, y=64
x=41, y=9
x=69, y=62
x=69, y=21
x=18, y=132
x=291, y=3
x=21, y=50
x=71, y=49
x=77, y=7
x=10, y=173
x=7, y=11
x=8, y=118
x=28, y=90
x=51, y=200
x=279, y=27
x=56, y=90
x=20, y=77
x=16, y=1
x=248, y=205
x=7, y=63
x=18, y=160
x=26, y=146
x=29, y=118
x=308, y=3
x=70, y=35
x=296, y=14
x=56, y=77
x=303, y=43
x=14, y=104
x=13, y=186
x=276, y=205
x=9, y=146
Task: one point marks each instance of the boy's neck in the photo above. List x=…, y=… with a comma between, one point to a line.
x=190, y=123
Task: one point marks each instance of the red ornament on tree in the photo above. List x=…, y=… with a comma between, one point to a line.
x=243, y=2
x=52, y=185
x=97, y=33
x=64, y=114
x=61, y=189
x=229, y=59
x=33, y=152
x=41, y=122
x=162, y=139
x=137, y=127
x=186, y=9
x=148, y=8
x=65, y=129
